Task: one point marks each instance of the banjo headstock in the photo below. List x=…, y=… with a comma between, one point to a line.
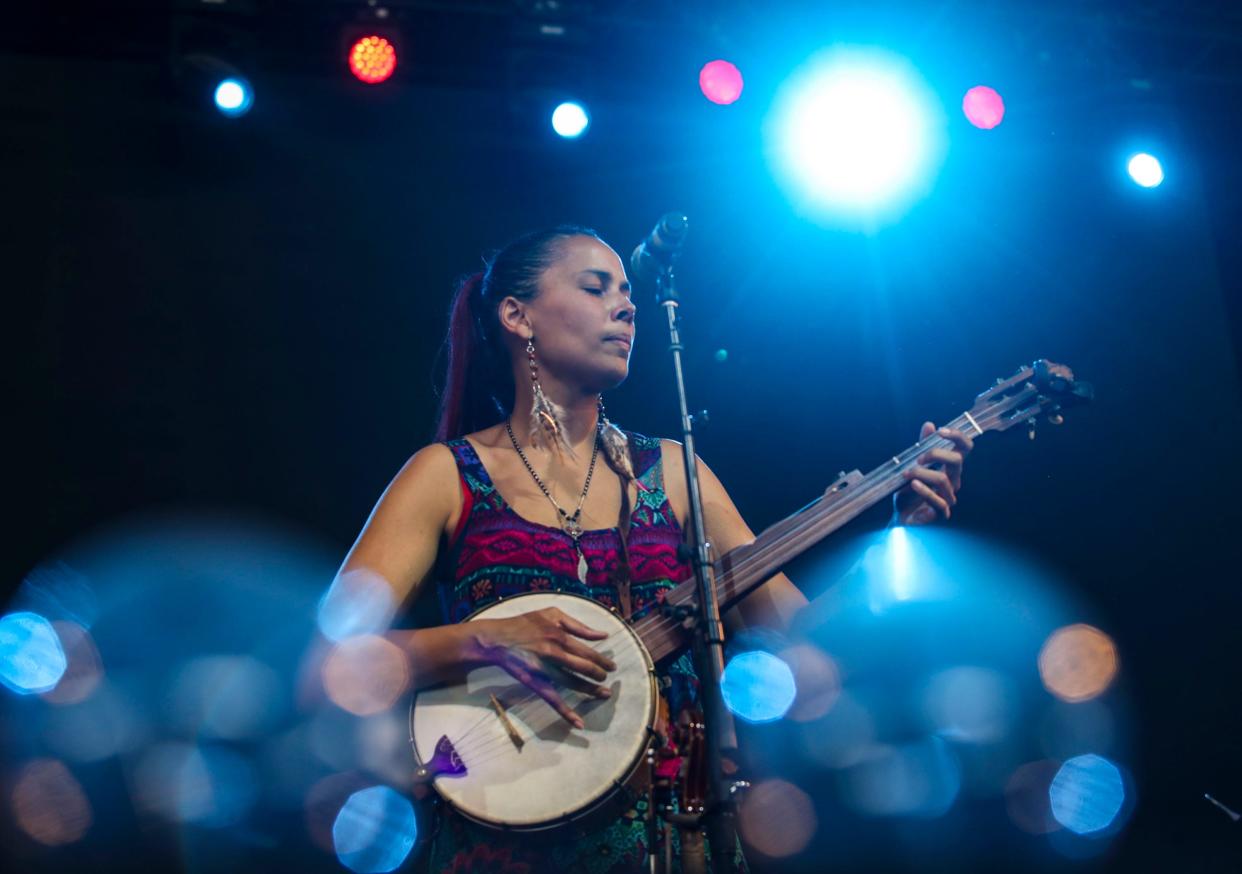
x=1042, y=389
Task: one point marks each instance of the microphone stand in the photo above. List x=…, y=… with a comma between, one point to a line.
x=718, y=816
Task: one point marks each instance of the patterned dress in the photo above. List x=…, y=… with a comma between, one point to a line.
x=496, y=553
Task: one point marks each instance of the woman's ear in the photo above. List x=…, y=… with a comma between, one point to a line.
x=513, y=318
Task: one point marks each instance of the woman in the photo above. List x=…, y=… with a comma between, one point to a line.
x=532, y=488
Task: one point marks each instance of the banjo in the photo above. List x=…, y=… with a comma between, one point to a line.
x=499, y=755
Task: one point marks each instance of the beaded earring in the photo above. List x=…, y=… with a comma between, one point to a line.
x=546, y=416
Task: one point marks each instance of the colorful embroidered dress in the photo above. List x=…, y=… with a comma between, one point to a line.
x=496, y=553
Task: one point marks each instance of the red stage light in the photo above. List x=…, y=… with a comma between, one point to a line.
x=983, y=107
x=372, y=59
x=720, y=82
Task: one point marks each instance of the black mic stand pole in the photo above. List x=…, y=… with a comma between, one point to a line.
x=719, y=816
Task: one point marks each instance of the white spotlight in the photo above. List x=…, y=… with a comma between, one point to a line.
x=234, y=96
x=856, y=133
x=570, y=120
x=1145, y=170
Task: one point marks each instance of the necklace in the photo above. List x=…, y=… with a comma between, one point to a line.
x=569, y=522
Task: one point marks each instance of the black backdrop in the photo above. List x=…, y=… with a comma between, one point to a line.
x=247, y=314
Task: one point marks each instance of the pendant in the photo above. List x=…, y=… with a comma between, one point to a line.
x=582, y=564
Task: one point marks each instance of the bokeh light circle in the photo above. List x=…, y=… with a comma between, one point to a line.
x=720, y=82
x=374, y=831
x=777, y=819
x=49, y=804
x=817, y=681
x=983, y=107
x=1026, y=797
x=358, y=602
x=1078, y=662
x=32, y=658
x=1087, y=794
x=365, y=674
x=83, y=667
x=758, y=686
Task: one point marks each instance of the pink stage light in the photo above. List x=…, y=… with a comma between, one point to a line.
x=983, y=107
x=720, y=82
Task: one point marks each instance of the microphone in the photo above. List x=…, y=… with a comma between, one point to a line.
x=660, y=249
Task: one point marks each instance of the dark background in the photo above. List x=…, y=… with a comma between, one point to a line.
x=247, y=314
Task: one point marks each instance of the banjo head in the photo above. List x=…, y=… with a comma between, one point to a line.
x=552, y=773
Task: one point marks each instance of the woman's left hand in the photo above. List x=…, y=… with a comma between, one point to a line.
x=935, y=481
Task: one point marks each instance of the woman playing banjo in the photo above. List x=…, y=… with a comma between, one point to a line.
x=532, y=489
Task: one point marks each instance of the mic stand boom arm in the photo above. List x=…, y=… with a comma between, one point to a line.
x=719, y=816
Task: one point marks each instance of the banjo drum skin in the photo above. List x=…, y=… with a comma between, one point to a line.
x=515, y=763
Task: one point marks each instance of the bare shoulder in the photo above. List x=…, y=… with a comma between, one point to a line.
x=427, y=480
x=673, y=458
x=433, y=462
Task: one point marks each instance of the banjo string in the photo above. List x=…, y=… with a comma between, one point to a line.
x=526, y=709
x=528, y=706
x=517, y=707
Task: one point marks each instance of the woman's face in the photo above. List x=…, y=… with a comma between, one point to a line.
x=582, y=318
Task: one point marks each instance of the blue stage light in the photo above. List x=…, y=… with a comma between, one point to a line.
x=374, y=831
x=570, y=120
x=1087, y=794
x=758, y=686
x=855, y=134
x=234, y=96
x=31, y=656
x=1145, y=169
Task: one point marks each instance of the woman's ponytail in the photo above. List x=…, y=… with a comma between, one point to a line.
x=463, y=342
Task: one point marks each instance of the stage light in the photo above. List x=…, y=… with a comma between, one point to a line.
x=720, y=82
x=1145, y=170
x=374, y=831
x=758, y=686
x=855, y=135
x=983, y=107
x=372, y=59
x=570, y=120
x=1087, y=794
x=234, y=96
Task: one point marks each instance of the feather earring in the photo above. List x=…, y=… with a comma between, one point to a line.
x=546, y=416
x=617, y=448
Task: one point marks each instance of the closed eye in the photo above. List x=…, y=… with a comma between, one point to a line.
x=593, y=290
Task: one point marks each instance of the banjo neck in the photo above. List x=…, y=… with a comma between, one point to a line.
x=1042, y=388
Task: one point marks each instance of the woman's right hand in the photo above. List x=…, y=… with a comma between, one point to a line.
x=526, y=644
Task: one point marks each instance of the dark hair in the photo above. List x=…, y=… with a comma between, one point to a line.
x=478, y=383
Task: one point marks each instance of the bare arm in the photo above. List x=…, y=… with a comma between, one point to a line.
x=774, y=603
